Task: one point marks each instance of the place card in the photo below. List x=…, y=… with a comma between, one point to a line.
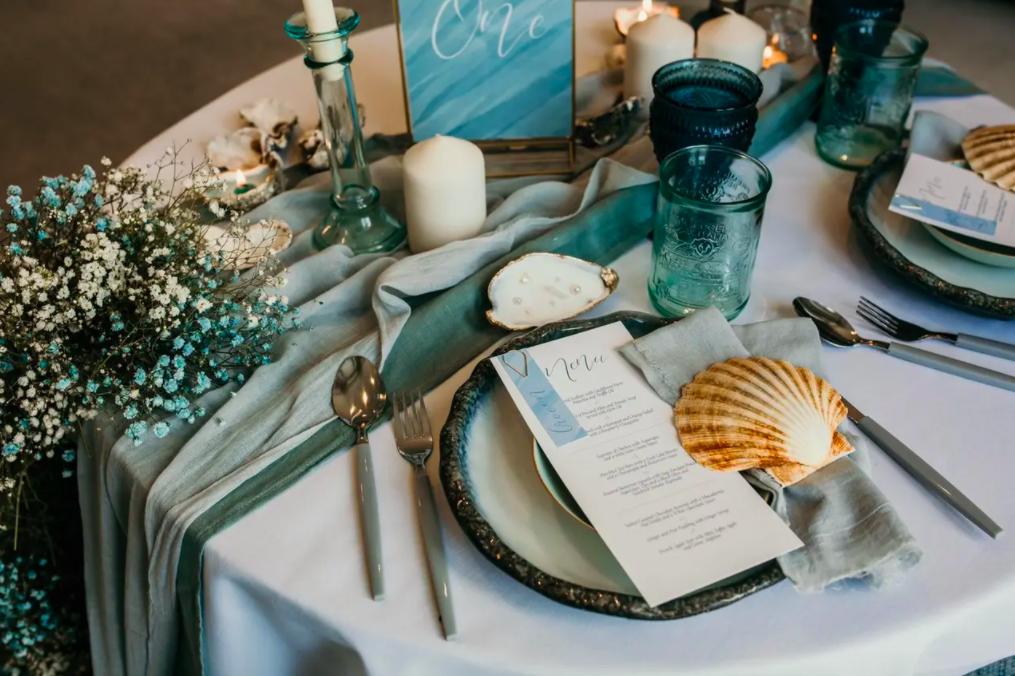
x=673, y=525
x=955, y=199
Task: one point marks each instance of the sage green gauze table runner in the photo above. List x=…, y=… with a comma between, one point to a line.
x=442, y=335
x=149, y=511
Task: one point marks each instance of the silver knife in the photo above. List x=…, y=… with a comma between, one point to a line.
x=929, y=477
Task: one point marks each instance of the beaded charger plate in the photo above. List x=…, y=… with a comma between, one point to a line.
x=498, y=498
x=906, y=247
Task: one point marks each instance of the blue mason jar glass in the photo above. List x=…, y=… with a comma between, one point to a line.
x=711, y=202
x=868, y=92
x=703, y=101
x=827, y=16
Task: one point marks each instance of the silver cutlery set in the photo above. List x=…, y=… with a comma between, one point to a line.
x=359, y=398
x=836, y=330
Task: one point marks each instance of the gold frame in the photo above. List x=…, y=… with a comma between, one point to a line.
x=519, y=145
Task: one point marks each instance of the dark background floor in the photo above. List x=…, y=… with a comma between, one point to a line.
x=86, y=78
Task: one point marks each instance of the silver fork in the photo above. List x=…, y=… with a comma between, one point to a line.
x=415, y=443
x=900, y=329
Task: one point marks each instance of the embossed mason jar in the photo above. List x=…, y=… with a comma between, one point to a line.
x=868, y=92
x=711, y=201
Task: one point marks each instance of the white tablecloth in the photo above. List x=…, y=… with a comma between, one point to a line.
x=285, y=587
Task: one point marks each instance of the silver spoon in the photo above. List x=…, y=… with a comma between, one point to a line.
x=358, y=397
x=835, y=330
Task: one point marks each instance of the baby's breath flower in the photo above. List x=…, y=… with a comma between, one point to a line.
x=110, y=300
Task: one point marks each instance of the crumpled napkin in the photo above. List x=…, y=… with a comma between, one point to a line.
x=849, y=529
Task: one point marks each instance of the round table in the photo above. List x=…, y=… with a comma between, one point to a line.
x=285, y=591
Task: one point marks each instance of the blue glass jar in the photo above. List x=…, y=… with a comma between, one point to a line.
x=707, y=229
x=827, y=16
x=868, y=92
x=703, y=101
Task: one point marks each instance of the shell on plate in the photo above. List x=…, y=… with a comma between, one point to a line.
x=540, y=288
x=750, y=413
x=990, y=152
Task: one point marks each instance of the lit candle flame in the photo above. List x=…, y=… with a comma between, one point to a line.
x=772, y=55
x=625, y=17
x=240, y=178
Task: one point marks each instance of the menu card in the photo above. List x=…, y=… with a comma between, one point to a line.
x=673, y=525
x=955, y=199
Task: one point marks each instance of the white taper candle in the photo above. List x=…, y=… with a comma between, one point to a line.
x=321, y=18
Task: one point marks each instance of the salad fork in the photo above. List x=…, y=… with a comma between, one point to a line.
x=414, y=441
x=900, y=329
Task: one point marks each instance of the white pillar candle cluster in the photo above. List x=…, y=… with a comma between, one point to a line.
x=733, y=37
x=321, y=18
x=444, y=179
x=662, y=39
x=652, y=44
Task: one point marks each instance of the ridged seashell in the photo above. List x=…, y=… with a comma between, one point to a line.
x=755, y=412
x=990, y=152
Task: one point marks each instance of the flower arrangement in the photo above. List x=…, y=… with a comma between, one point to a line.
x=110, y=299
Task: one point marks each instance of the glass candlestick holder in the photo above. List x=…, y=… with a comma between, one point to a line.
x=356, y=218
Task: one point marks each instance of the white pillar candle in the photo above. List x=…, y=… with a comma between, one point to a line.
x=651, y=44
x=733, y=37
x=321, y=18
x=444, y=179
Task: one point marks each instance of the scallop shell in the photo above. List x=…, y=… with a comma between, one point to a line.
x=990, y=152
x=271, y=117
x=540, y=288
x=756, y=412
x=240, y=149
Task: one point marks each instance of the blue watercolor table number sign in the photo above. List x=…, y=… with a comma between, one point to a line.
x=496, y=72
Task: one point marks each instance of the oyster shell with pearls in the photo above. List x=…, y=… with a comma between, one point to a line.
x=540, y=288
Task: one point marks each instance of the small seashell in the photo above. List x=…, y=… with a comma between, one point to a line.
x=540, y=288
x=990, y=152
x=749, y=413
x=315, y=152
x=241, y=149
x=246, y=246
x=272, y=118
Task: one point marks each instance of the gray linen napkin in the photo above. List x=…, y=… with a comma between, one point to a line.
x=848, y=527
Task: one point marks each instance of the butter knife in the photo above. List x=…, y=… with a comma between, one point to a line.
x=918, y=468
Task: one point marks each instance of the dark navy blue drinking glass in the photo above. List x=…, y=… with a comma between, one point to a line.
x=703, y=101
